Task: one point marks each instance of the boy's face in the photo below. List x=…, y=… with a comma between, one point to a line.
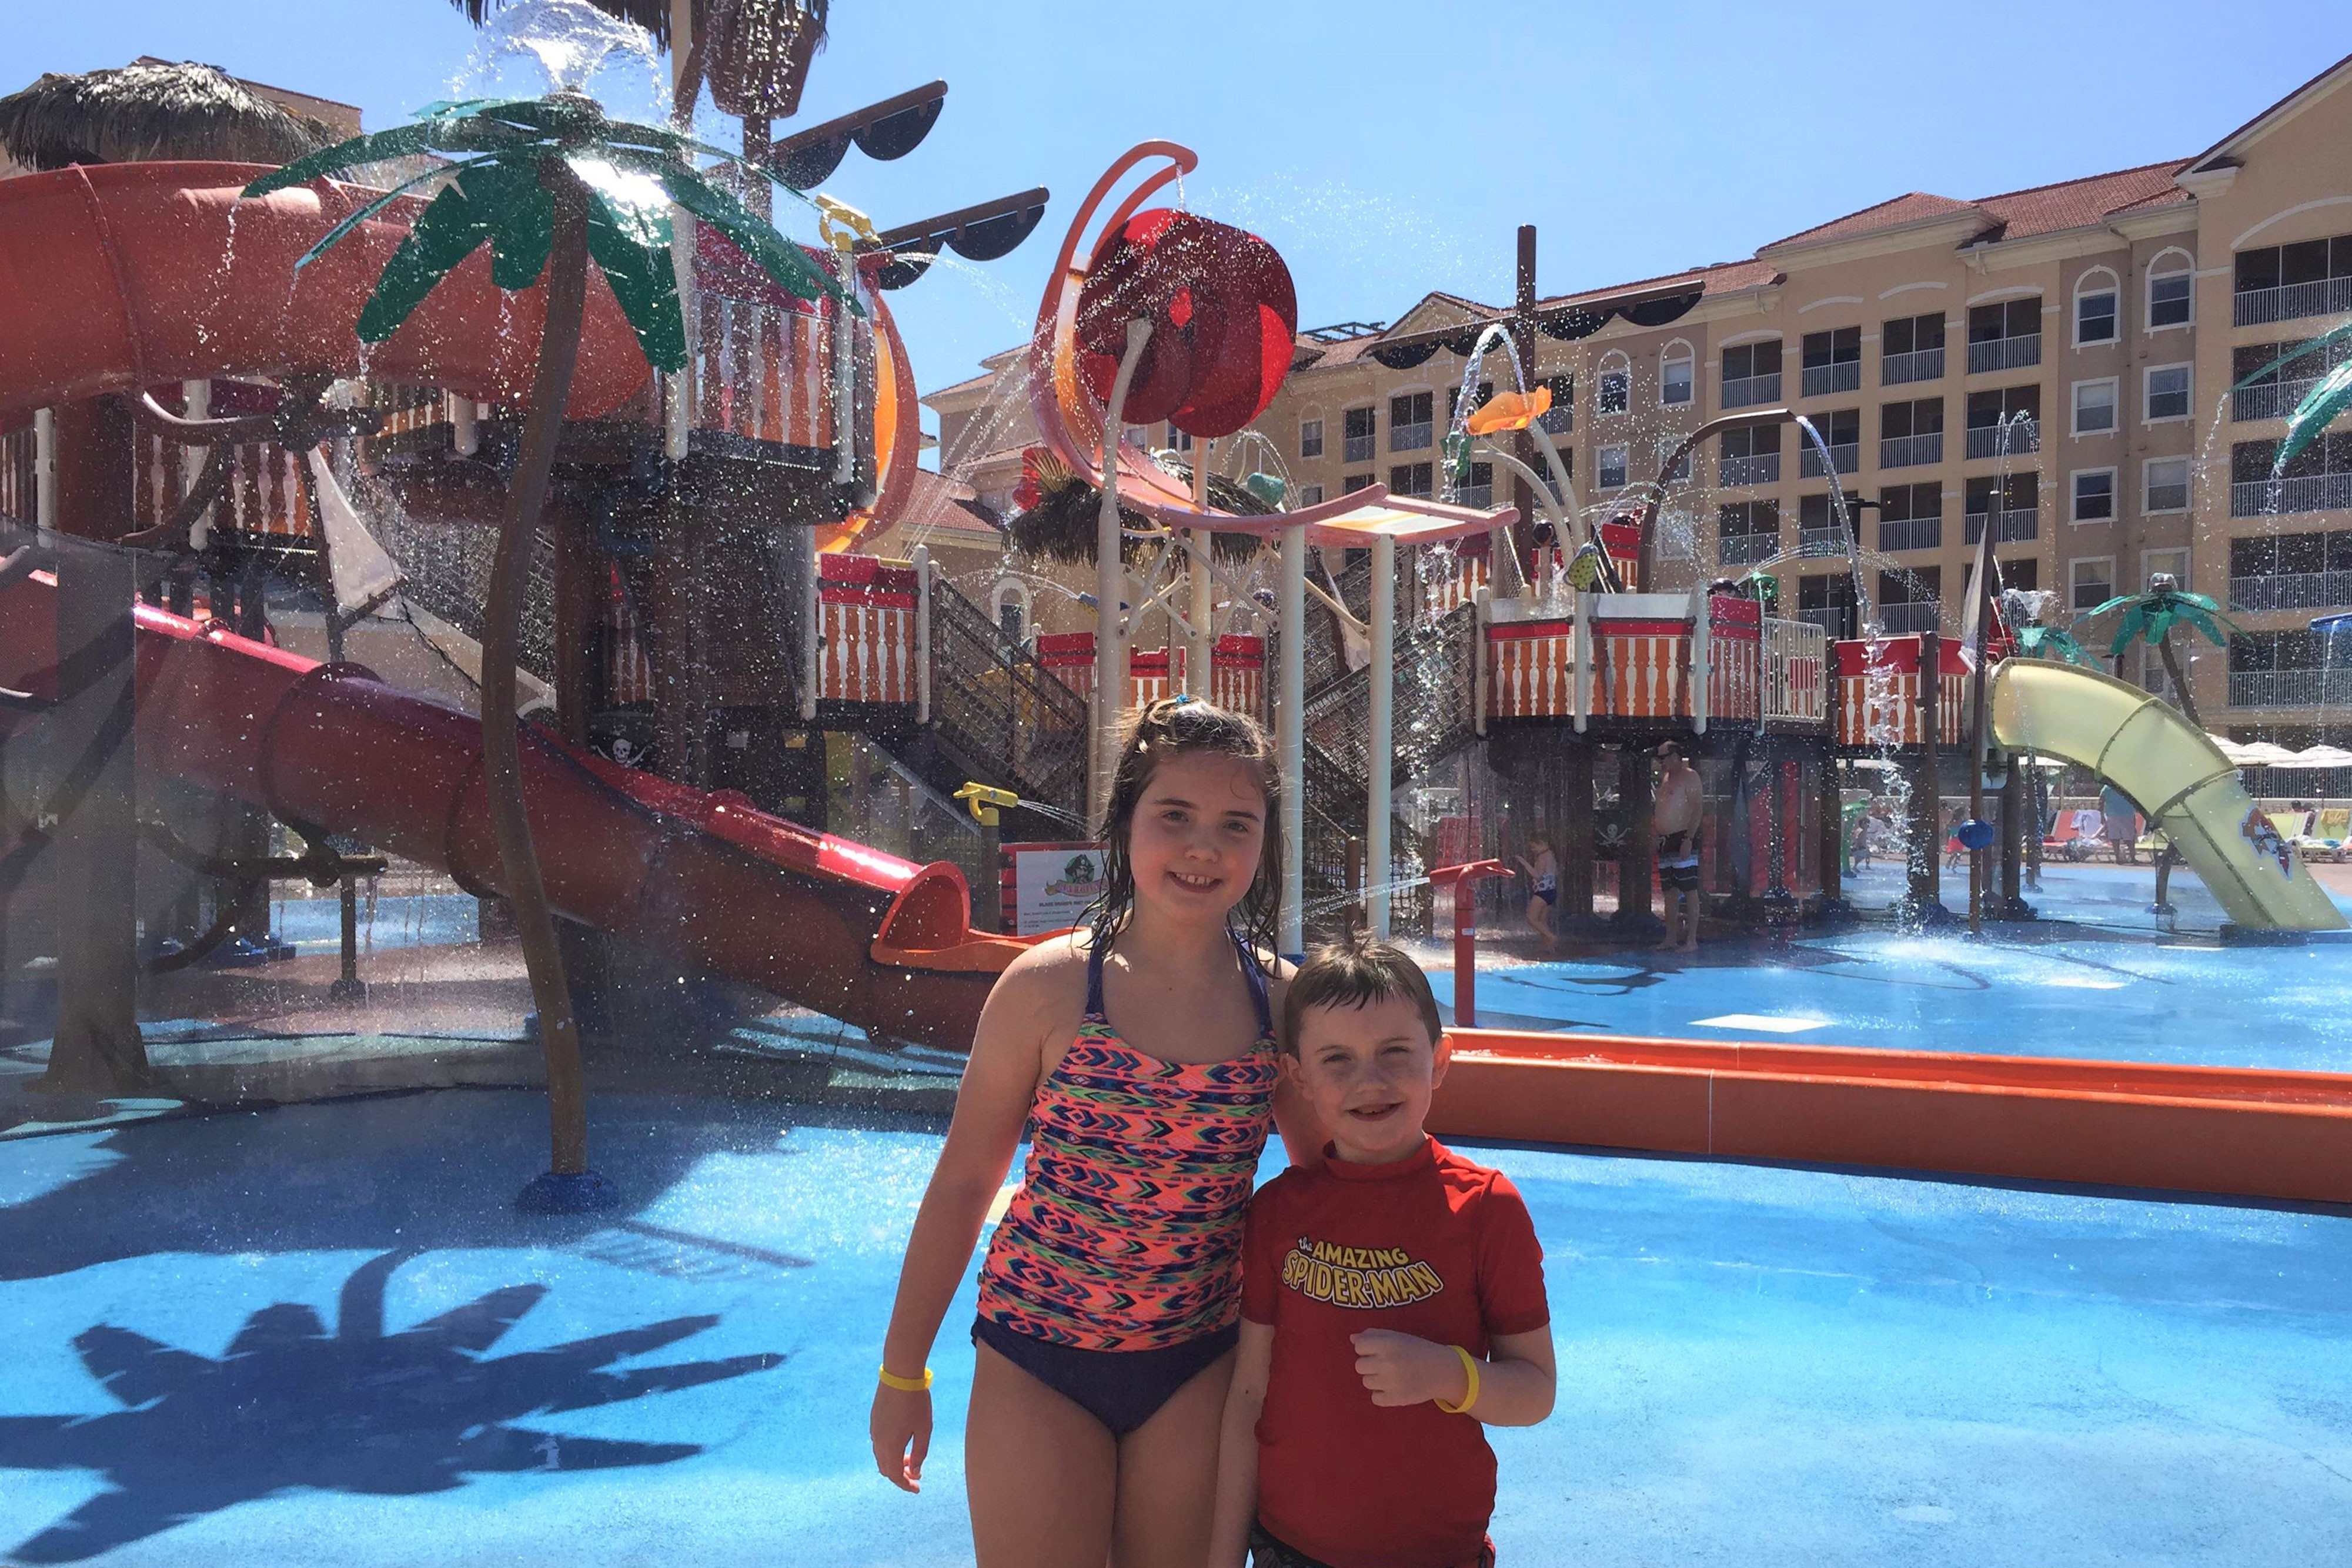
x=1369, y=1073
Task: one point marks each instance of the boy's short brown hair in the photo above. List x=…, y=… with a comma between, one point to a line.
x=1355, y=972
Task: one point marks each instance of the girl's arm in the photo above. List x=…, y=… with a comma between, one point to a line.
x=992, y=1104
x=1303, y=1137
x=1236, y=1508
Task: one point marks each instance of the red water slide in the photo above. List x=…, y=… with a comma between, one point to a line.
x=129, y=276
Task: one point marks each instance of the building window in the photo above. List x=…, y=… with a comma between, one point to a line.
x=2266, y=384
x=1911, y=435
x=1749, y=456
x=2165, y=485
x=1479, y=491
x=1310, y=438
x=2168, y=394
x=2095, y=406
x=1612, y=466
x=1833, y=361
x=2175, y=563
x=2318, y=478
x=2005, y=335
x=1358, y=432
x=1992, y=414
x=2092, y=581
x=1842, y=431
x=1355, y=481
x=1751, y=374
x=1453, y=401
x=1560, y=418
x=1747, y=532
x=2095, y=495
x=1826, y=599
x=1615, y=391
x=1676, y=376
x=2171, y=293
x=1178, y=440
x=1413, y=478
x=1310, y=495
x=1682, y=460
x=1409, y=422
x=1818, y=531
x=1911, y=348
x=2012, y=507
x=1911, y=517
x=1907, y=601
x=2095, y=316
x=2284, y=282
x=1011, y=602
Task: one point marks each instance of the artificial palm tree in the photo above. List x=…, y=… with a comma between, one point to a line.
x=547, y=183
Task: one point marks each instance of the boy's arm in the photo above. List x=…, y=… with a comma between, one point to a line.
x=1229, y=1529
x=1514, y=1383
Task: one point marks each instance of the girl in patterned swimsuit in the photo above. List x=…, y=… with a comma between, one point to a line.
x=1110, y=1294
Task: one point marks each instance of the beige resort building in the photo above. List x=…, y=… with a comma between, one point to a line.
x=2115, y=310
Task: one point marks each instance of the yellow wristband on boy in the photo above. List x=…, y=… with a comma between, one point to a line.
x=923, y=1385
x=1470, y=1366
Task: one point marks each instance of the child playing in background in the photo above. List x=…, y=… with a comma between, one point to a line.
x=1543, y=886
x=1392, y=1303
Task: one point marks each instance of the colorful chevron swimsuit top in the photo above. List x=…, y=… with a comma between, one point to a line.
x=1126, y=1231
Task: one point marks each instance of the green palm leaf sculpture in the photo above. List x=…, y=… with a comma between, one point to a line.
x=549, y=184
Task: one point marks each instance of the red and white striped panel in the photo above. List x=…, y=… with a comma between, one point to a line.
x=1070, y=656
x=1153, y=673
x=1528, y=667
x=865, y=630
x=1237, y=674
x=1639, y=666
x=266, y=495
x=1736, y=679
x=403, y=409
x=1470, y=570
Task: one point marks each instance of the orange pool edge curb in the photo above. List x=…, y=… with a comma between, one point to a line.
x=2247, y=1131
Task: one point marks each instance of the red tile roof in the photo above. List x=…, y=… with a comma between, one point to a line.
x=2078, y=203
x=1910, y=208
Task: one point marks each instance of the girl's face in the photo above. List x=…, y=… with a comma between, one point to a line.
x=1198, y=835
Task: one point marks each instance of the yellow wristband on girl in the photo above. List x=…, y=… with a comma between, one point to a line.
x=923, y=1385
x=1470, y=1366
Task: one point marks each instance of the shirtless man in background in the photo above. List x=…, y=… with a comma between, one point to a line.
x=1680, y=806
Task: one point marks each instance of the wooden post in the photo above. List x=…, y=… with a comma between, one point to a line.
x=1571, y=836
x=2012, y=905
x=1637, y=799
x=1926, y=847
x=578, y=606
x=1830, y=834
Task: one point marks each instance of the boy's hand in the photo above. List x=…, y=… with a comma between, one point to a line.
x=1401, y=1369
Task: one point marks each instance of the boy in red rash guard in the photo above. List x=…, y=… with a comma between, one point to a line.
x=1392, y=1303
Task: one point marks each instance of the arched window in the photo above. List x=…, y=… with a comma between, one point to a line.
x=1612, y=391
x=2096, y=320
x=1677, y=375
x=2171, y=290
x=1010, y=604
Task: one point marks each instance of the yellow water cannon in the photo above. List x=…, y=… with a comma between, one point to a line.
x=986, y=801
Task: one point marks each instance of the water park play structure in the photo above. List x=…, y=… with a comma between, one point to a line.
x=706, y=530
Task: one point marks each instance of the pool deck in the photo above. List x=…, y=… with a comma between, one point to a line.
x=236, y=1336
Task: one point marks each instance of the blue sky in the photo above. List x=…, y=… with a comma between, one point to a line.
x=1389, y=149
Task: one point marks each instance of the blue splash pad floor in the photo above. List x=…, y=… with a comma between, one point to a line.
x=234, y=1338
x=2099, y=982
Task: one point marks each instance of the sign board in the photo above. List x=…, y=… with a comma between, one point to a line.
x=1046, y=887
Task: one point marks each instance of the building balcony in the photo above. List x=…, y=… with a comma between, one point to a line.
x=2004, y=353
x=1984, y=440
x=1846, y=455
x=1836, y=620
x=1762, y=469
x=2276, y=401
x=1818, y=543
x=2293, y=590
x=1821, y=381
x=1911, y=451
x=2279, y=498
x=2014, y=526
x=1747, y=392
x=1412, y=437
x=1747, y=549
x=1911, y=533
x=2292, y=301
x=2290, y=688
x=1903, y=620
x=1919, y=365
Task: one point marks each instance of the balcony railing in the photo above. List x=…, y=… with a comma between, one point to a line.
x=2327, y=297
x=1984, y=440
x=2274, y=401
x=1761, y=469
x=1911, y=451
x=2015, y=525
x=1911, y=533
x=1747, y=549
x=1357, y=449
x=2271, y=497
x=1919, y=365
x=1745, y=391
x=2293, y=590
x=2004, y=353
x=1846, y=455
x=1903, y=620
x=2290, y=688
x=1479, y=496
x=1821, y=381
x=1411, y=437
x=1835, y=621
x=1824, y=541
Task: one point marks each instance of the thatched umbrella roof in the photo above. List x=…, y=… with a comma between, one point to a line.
x=152, y=111
x=1061, y=526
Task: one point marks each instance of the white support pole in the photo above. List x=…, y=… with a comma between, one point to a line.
x=1290, y=737
x=1110, y=582
x=812, y=639
x=845, y=370
x=1485, y=600
x=1579, y=651
x=1702, y=661
x=1378, y=745
x=1200, y=640
x=923, y=633
x=678, y=386
x=196, y=402
x=45, y=469
x=465, y=425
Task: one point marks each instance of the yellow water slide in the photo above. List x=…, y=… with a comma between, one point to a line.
x=2143, y=746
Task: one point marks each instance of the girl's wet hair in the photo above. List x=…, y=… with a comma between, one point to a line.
x=1178, y=727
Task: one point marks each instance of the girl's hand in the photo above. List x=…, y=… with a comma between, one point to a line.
x=901, y=1427
x=1401, y=1369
